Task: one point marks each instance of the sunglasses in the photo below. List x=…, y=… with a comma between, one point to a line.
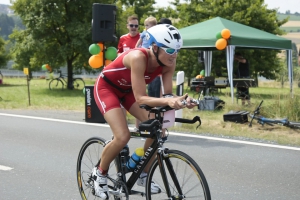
x=133, y=25
x=170, y=51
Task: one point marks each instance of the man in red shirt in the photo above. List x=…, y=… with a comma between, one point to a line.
x=129, y=40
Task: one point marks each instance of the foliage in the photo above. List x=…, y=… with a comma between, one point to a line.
x=60, y=33
x=4, y=57
x=7, y=25
x=57, y=33
x=248, y=12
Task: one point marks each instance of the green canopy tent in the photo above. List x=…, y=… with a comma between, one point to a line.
x=202, y=36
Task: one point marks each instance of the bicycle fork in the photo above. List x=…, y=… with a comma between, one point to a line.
x=162, y=155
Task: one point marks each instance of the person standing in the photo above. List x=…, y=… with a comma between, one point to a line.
x=129, y=40
x=143, y=41
x=243, y=71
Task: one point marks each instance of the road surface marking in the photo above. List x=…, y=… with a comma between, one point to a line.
x=5, y=168
x=171, y=133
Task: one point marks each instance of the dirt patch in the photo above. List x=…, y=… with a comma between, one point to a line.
x=295, y=37
x=291, y=24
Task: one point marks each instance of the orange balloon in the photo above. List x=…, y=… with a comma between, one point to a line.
x=107, y=62
x=221, y=44
x=49, y=68
x=96, y=61
x=101, y=45
x=225, y=33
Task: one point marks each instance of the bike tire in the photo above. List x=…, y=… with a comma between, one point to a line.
x=294, y=125
x=191, y=179
x=88, y=157
x=56, y=84
x=78, y=83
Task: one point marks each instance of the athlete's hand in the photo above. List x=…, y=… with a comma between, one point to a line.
x=176, y=102
x=189, y=102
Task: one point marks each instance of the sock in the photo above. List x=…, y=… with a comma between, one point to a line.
x=102, y=171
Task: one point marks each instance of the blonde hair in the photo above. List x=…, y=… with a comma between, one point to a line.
x=151, y=20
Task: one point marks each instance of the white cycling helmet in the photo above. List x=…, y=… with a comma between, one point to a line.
x=164, y=35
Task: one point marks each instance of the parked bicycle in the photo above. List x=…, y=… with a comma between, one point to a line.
x=263, y=120
x=60, y=82
x=176, y=173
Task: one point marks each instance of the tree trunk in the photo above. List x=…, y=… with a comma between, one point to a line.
x=70, y=75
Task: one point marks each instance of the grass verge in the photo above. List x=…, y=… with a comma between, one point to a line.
x=277, y=104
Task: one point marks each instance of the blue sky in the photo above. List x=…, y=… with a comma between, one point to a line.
x=283, y=5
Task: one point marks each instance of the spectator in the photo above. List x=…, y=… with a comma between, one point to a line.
x=143, y=42
x=129, y=40
x=242, y=72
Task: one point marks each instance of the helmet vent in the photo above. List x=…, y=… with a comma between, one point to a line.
x=176, y=36
x=167, y=41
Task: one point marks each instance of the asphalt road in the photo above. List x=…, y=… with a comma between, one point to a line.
x=41, y=154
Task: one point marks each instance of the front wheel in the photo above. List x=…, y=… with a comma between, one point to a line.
x=56, y=84
x=185, y=179
x=89, y=156
x=78, y=83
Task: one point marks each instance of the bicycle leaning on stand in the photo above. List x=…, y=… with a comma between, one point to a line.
x=263, y=120
x=176, y=173
x=59, y=82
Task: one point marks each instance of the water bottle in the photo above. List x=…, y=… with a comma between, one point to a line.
x=135, y=158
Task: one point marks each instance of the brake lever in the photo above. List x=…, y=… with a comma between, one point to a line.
x=189, y=121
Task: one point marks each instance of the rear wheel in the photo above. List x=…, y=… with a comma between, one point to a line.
x=56, y=84
x=184, y=178
x=88, y=158
x=295, y=125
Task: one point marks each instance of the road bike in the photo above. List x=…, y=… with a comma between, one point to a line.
x=60, y=82
x=176, y=173
x=263, y=120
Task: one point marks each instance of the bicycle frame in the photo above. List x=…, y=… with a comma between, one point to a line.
x=263, y=120
x=156, y=147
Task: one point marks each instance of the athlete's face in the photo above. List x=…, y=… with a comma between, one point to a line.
x=133, y=27
x=167, y=56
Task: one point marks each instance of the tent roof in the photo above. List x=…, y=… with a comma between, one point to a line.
x=203, y=36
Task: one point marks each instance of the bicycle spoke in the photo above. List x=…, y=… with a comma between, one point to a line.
x=186, y=171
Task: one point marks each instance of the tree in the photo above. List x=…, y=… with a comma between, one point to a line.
x=252, y=13
x=6, y=24
x=57, y=33
x=4, y=57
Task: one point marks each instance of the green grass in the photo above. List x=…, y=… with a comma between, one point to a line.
x=292, y=17
x=290, y=29
x=277, y=103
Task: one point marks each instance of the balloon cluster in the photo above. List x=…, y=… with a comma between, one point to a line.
x=201, y=75
x=97, y=59
x=47, y=67
x=222, y=38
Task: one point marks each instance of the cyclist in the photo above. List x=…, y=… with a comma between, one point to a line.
x=124, y=82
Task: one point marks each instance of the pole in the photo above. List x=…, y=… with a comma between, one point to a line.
x=179, y=92
x=28, y=90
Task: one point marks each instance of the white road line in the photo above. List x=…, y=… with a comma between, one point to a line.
x=5, y=168
x=171, y=133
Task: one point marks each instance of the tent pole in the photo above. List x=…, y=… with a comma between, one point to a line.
x=290, y=70
x=229, y=58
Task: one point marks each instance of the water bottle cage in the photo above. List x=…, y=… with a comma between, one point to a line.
x=149, y=128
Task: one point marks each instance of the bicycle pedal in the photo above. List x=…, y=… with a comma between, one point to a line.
x=117, y=193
